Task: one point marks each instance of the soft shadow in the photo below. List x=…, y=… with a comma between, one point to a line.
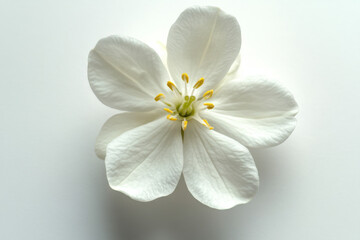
x=176, y=217
x=179, y=216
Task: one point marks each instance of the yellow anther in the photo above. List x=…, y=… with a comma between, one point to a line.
x=159, y=96
x=209, y=105
x=168, y=110
x=206, y=124
x=185, y=77
x=208, y=94
x=171, y=118
x=184, y=124
x=199, y=83
x=171, y=85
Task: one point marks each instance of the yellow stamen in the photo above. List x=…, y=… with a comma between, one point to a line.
x=199, y=83
x=185, y=77
x=209, y=105
x=159, y=96
x=208, y=94
x=206, y=124
x=171, y=85
x=171, y=118
x=168, y=110
x=184, y=124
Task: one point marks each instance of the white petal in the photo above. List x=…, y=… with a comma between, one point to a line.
x=126, y=74
x=231, y=74
x=256, y=112
x=146, y=163
x=160, y=48
x=234, y=68
x=118, y=124
x=203, y=42
x=218, y=171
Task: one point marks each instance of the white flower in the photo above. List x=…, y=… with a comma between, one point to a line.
x=146, y=150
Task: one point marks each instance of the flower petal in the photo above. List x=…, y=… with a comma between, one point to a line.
x=231, y=74
x=234, y=68
x=218, y=171
x=256, y=112
x=126, y=74
x=118, y=124
x=146, y=163
x=203, y=42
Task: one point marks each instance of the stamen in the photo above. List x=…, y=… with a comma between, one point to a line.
x=159, y=96
x=184, y=124
x=171, y=118
x=168, y=110
x=185, y=77
x=209, y=105
x=199, y=83
x=173, y=87
x=206, y=124
x=208, y=94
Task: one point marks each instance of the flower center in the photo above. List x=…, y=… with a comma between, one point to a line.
x=186, y=109
x=183, y=106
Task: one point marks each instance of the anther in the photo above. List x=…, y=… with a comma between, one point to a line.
x=185, y=77
x=209, y=105
x=206, y=124
x=159, y=96
x=171, y=85
x=168, y=110
x=199, y=83
x=171, y=118
x=208, y=94
x=184, y=124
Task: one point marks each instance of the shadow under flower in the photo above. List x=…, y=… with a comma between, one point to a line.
x=179, y=216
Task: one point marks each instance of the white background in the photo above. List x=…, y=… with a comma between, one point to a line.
x=54, y=187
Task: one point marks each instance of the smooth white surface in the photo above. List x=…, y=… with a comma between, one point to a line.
x=53, y=185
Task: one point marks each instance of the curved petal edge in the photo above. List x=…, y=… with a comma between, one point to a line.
x=219, y=172
x=146, y=163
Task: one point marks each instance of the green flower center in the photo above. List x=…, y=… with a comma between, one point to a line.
x=185, y=106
